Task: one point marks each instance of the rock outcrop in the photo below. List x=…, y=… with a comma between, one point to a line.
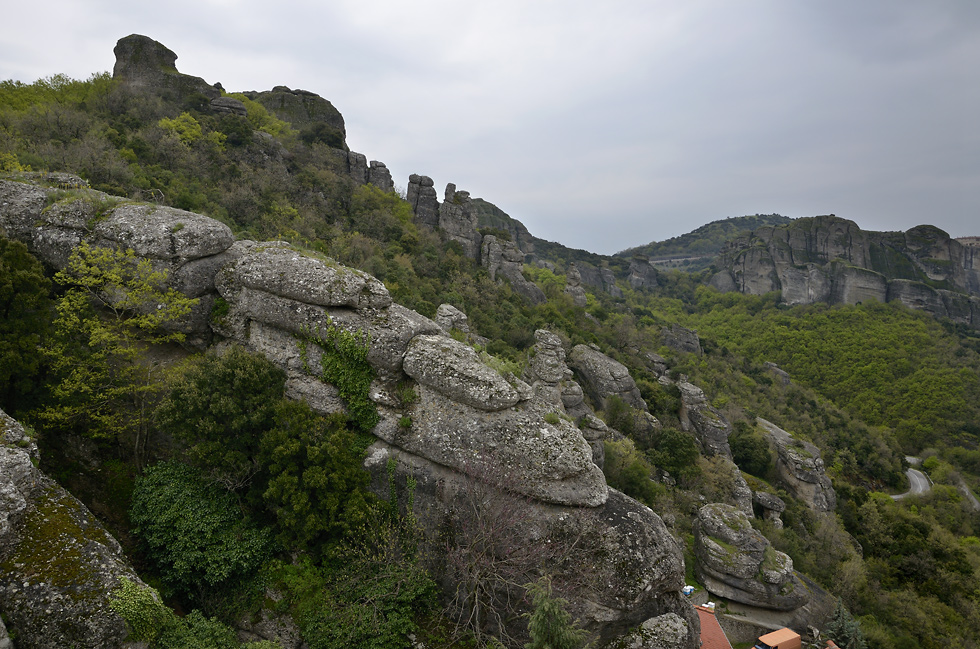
x=380, y=177
x=421, y=195
x=642, y=274
x=681, y=339
x=800, y=468
x=737, y=562
x=58, y=565
x=459, y=223
x=573, y=286
x=504, y=260
x=303, y=108
x=709, y=426
x=829, y=259
x=146, y=65
x=466, y=419
x=771, y=505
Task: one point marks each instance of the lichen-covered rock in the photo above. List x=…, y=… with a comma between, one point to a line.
x=449, y=317
x=159, y=232
x=681, y=339
x=642, y=274
x=602, y=377
x=616, y=564
x=801, y=469
x=548, y=361
x=710, y=427
x=546, y=459
x=299, y=276
x=772, y=506
x=58, y=565
x=459, y=223
x=667, y=631
x=380, y=177
x=736, y=562
x=454, y=369
x=573, y=286
x=148, y=65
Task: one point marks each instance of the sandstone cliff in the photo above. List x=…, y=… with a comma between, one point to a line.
x=830, y=259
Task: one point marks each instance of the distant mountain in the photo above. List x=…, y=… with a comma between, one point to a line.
x=696, y=250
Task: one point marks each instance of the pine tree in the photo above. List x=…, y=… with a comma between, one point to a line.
x=550, y=625
x=844, y=629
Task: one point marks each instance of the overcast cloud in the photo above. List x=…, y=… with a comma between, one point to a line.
x=602, y=126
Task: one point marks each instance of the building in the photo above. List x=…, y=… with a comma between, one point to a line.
x=712, y=637
x=781, y=639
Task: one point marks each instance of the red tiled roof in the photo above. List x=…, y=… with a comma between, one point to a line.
x=782, y=635
x=712, y=637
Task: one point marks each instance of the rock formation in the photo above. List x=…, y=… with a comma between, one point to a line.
x=709, y=426
x=801, y=469
x=380, y=177
x=603, y=377
x=302, y=108
x=736, y=562
x=681, y=339
x=459, y=223
x=829, y=259
x=58, y=565
x=421, y=195
x=573, y=287
x=504, y=260
x=642, y=274
x=149, y=66
x=467, y=418
x=772, y=506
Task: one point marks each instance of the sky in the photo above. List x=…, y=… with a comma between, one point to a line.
x=599, y=125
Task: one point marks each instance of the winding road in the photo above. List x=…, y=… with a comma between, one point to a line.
x=919, y=483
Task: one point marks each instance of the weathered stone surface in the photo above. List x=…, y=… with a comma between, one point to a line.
x=642, y=274
x=548, y=361
x=380, y=177
x=801, y=469
x=916, y=295
x=625, y=567
x=159, y=232
x=772, y=506
x=708, y=424
x=459, y=223
x=303, y=108
x=449, y=317
x=228, y=106
x=58, y=565
x=667, y=631
x=293, y=274
x=358, y=167
x=854, y=285
x=573, y=286
x=781, y=375
x=681, y=339
x=609, y=283
x=602, y=377
x=455, y=370
x=273, y=626
x=547, y=461
x=504, y=260
x=146, y=64
x=736, y=562
x=421, y=195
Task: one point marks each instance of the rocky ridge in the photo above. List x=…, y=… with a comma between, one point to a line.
x=830, y=259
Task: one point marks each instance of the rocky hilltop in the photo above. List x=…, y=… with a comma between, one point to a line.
x=830, y=259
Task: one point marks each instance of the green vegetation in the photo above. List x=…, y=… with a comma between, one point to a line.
x=550, y=625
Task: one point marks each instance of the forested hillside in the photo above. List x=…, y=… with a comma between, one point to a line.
x=221, y=490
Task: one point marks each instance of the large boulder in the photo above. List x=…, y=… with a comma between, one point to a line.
x=800, y=468
x=616, y=564
x=736, y=562
x=504, y=260
x=709, y=426
x=421, y=195
x=459, y=223
x=58, y=565
x=148, y=65
x=602, y=377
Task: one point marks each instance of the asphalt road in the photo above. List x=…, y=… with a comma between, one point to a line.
x=918, y=482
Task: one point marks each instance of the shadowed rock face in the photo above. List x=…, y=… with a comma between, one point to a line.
x=828, y=259
x=801, y=469
x=736, y=562
x=504, y=260
x=58, y=565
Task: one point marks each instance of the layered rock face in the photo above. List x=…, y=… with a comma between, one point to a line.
x=573, y=286
x=465, y=419
x=709, y=426
x=736, y=562
x=829, y=259
x=421, y=195
x=302, y=108
x=457, y=220
x=801, y=469
x=58, y=565
x=505, y=260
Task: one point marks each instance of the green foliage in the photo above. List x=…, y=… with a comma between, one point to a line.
x=549, y=624
x=629, y=471
x=220, y=407
x=113, y=305
x=316, y=487
x=195, y=535
x=188, y=131
x=344, y=363
x=144, y=611
x=844, y=630
x=750, y=450
x=676, y=452
x=260, y=119
x=25, y=320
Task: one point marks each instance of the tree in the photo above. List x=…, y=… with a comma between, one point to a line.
x=550, y=625
x=194, y=532
x=114, y=306
x=844, y=629
x=25, y=316
x=220, y=407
